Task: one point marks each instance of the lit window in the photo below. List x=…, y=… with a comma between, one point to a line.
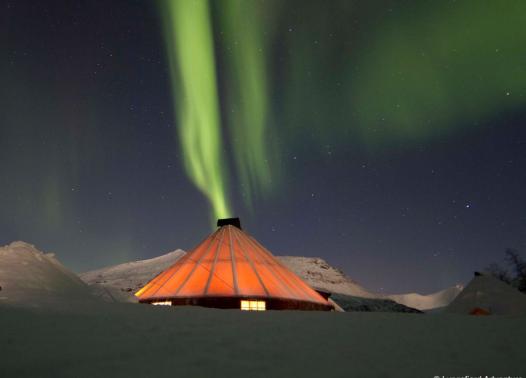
x=252, y=305
x=163, y=303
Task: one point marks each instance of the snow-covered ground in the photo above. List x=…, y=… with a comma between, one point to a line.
x=132, y=340
x=52, y=326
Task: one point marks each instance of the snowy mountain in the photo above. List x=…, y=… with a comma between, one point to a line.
x=119, y=282
x=31, y=277
x=320, y=275
x=427, y=302
x=129, y=277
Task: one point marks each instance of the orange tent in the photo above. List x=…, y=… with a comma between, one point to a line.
x=230, y=269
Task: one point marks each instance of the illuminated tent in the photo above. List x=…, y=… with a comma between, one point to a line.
x=230, y=269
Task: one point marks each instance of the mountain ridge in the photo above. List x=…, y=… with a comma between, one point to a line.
x=314, y=270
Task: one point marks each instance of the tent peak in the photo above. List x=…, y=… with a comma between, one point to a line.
x=229, y=221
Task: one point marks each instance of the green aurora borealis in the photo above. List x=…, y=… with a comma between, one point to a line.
x=381, y=136
x=192, y=65
x=422, y=74
x=426, y=76
x=187, y=30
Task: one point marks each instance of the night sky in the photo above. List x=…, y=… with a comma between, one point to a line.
x=386, y=137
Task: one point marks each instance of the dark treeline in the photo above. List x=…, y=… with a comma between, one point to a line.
x=514, y=271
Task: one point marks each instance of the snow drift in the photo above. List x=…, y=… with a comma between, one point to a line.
x=31, y=277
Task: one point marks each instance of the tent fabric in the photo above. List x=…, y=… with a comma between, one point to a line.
x=229, y=264
x=491, y=295
x=477, y=311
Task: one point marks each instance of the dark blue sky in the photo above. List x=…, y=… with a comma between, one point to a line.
x=91, y=166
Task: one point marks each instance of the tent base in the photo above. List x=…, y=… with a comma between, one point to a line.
x=235, y=303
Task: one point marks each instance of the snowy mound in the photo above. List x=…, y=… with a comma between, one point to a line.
x=121, y=281
x=30, y=277
x=320, y=275
x=427, y=302
x=489, y=294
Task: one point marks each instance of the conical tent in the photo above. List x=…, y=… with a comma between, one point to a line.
x=230, y=269
x=487, y=294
